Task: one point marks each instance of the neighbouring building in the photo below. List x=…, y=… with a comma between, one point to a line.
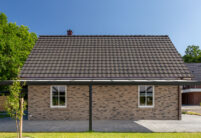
x=102, y=67
x=3, y=103
x=191, y=94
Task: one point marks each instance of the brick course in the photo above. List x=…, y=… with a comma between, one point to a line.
x=110, y=102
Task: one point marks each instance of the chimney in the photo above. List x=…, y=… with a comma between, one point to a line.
x=69, y=32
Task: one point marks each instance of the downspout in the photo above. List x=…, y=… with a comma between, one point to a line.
x=179, y=103
x=90, y=107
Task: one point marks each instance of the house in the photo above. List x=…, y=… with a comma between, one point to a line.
x=191, y=94
x=104, y=77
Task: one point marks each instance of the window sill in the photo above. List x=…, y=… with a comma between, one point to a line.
x=58, y=107
x=145, y=106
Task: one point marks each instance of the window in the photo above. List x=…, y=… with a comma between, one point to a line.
x=58, y=96
x=146, y=96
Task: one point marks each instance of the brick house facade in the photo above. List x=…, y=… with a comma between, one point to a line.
x=110, y=102
x=108, y=77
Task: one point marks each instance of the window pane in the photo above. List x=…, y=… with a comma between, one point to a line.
x=149, y=96
x=62, y=101
x=62, y=91
x=55, y=91
x=142, y=100
x=142, y=95
x=149, y=89
x=142, y=88
x=149, y=100
x=61, y=88
x=55, y=101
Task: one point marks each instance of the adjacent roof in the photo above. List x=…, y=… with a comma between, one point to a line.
x=195, y=68
x=104, y=57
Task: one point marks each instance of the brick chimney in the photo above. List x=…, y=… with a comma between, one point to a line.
x=69, y=32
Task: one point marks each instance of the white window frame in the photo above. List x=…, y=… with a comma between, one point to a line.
x=153, y=93
x=58, y=106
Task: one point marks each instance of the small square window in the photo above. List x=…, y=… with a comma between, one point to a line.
x=146, y=96
x=58, y=96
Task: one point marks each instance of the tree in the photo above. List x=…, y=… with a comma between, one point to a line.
x=3, y=19
x=16, y=43
x=15, y=105
x=192, y=54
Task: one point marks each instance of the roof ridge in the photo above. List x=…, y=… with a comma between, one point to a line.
x=103, y=36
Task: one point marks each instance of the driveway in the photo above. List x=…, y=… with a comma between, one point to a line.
x=189, y=123
x=192, y=108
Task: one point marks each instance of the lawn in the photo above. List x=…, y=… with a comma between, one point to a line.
x=104, y=135
x=191, y=113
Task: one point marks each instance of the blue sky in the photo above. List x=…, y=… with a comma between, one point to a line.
x=180, y=19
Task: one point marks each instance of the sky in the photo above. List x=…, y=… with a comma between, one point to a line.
x=180, y=19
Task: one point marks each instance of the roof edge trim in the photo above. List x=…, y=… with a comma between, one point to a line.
x=104, y=82
x=103, y=36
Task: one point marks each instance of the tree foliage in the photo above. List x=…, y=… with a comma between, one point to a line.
x=16, y=42
x=192, y=54
x=13, y=103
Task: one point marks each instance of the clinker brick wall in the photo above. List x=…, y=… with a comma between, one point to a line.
x=121, y=102
x=110, y=102
x=39, y=104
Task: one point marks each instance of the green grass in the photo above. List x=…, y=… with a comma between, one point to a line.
x=191, y=113
x=104, y=135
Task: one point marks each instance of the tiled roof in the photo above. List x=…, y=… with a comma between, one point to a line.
x=195, y=68
x=104, y=57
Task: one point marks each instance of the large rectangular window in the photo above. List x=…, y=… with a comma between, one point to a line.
x=58, y=96
x=146, y=96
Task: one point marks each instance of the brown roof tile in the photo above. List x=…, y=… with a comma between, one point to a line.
x=104, y=57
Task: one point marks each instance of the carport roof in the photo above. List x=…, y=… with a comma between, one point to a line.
x=195, y=68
